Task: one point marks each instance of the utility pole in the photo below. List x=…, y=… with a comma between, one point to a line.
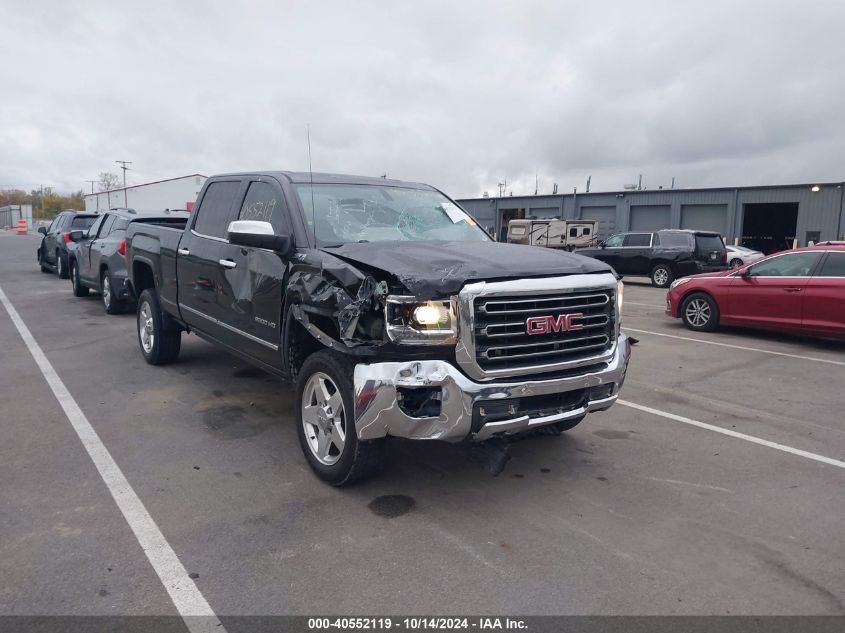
x=123, y=165
x=589, y=178
x=640, y=184
x=92, y=191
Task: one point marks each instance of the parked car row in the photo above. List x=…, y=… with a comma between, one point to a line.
x=90, y=249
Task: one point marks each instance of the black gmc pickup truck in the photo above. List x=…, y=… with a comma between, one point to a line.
x=392, y=312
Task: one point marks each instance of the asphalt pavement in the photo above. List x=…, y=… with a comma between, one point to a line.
x=635, y=511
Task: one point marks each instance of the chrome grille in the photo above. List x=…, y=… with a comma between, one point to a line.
x=502, y=341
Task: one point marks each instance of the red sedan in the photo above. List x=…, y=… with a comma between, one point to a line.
x=800, y=291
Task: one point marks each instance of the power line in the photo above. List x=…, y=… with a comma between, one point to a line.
x=123, y=165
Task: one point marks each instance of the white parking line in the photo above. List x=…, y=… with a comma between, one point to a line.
x=742, y=436
x=186, y=596
x=742, y=347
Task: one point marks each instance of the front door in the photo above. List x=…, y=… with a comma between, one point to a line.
x=252, y=279
x=771, y=292
x=83, y=249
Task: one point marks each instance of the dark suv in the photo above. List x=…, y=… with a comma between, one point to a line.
x=663, y=255
x=52, y=252
x=97, y=256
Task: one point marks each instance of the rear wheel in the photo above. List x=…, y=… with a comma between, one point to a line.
x=111, y=303
x=44, y=267
x=78, y=289
x=326, y=425
x=159, y=338
x=700, y=312
x=736, y=262
x=662, y=276
x=61, y=266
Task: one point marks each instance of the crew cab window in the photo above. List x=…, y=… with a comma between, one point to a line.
x=217, y=208
x=638, y=239
x=265, y=203
x=834, y=266
x=790, y=265
x=614, y=241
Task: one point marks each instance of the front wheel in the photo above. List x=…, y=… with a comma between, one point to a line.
x=662, y=276
x=160, y=340
x=736, y=263
x=700, y=312
x=78, y=289
x=326, y=424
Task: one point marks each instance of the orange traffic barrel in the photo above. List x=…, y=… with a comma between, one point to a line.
x=21, y=227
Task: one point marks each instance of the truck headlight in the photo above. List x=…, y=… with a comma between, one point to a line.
x=414, y=322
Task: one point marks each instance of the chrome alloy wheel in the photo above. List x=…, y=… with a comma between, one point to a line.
x=106, y=292
x=323, y=418
x=145, y=327
x=661, y=276
x=698, y=313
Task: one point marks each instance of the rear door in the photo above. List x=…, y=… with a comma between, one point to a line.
x=52, y=237
x=201, y=250
x=634, y=256
x=251, y=283
x=824, y=298
x=771, y=294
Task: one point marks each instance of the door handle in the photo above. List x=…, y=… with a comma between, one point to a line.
x=183, y=251
x=792, y=289
x=228, y=263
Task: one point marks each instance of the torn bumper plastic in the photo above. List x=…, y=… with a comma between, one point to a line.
x=473, y=410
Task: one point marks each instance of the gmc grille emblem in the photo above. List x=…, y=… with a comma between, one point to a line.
x=549, y=324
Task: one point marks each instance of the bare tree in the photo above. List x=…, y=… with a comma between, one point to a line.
x=108, y=181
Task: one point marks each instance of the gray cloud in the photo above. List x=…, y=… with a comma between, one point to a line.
x=458, y=94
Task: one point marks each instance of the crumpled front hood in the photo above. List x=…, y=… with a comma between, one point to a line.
x=437, y=269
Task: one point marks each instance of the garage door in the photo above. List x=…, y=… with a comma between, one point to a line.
x=705, y=217
x=645, y=217
x=544, y=212
x=605, y=216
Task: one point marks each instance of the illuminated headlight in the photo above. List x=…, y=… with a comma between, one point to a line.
x=414, y=322
x=679, y=282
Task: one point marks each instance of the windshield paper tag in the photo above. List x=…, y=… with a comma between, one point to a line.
x=454, y=213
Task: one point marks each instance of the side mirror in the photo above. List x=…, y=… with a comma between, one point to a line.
x=78, y=236
x=258, y=234
x=42, y=230
x=602, y=244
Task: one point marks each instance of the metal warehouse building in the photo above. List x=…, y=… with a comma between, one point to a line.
x=173, y=193
x=766, y=218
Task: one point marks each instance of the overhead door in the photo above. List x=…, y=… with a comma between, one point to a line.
x=649, y=217
x=605, y=216
x=705, y=217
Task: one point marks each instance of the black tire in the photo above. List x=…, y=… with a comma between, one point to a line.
x=166, y=341
x=61, y=266
x=111, y=303
x=662, y=276
x=78, y=289
x=357, y=460
x=44, y=267
x=700, y=312
x=736, y=263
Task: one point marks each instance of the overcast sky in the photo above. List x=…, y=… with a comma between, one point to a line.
x=458, y=94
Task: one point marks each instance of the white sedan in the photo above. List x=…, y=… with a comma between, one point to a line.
x=739, y=256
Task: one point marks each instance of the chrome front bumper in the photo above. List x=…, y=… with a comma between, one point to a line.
x=378, y=412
